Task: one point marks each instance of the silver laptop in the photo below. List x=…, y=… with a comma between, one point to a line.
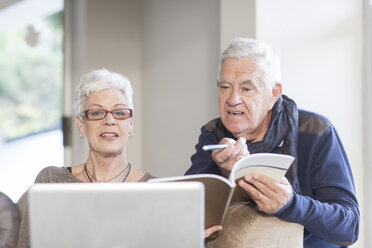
x=139, y=215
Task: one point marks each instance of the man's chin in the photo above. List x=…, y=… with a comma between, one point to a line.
x=236, y=131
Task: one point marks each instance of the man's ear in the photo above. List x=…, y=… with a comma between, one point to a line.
x=275, y=93
x=79, y=124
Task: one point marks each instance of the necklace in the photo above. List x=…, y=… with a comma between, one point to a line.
x=89, y=175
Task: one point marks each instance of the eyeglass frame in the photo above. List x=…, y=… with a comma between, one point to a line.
x=85, y=114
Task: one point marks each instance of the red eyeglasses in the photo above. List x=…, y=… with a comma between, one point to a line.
x=99, y=114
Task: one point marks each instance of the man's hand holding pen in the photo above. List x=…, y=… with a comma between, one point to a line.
x=226, y=158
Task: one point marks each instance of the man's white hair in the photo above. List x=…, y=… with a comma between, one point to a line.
x=266, y=59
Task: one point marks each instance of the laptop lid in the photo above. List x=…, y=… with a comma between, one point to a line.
x=116, y=215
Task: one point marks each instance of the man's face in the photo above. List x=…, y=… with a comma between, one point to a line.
x=244, y=101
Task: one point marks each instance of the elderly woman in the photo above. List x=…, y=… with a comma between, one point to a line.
x=104, y=115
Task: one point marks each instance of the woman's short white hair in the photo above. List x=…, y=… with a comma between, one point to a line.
x=99, y=80
x=267, y=60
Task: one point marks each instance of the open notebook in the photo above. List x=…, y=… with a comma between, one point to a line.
x=116, y=215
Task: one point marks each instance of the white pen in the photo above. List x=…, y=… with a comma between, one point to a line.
x=214, y=147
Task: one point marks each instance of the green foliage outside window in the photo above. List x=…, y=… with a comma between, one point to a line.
x=31, y=75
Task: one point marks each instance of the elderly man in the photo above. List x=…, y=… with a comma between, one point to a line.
x=318, y=191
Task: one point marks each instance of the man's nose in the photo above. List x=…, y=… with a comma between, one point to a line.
x=234, y=97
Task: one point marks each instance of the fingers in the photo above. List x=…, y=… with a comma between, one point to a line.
x=255, y=193
x=262, y=183
x=220, y=156
x=242, y=145
x=210, y=230
x=235, y=150
x=269, y=195
x=226, y=158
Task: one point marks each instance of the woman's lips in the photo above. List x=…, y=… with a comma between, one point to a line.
x=109, y=135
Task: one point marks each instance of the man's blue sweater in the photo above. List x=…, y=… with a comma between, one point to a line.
x=327, y=206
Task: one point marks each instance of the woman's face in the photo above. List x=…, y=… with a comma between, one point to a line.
x=107, y=137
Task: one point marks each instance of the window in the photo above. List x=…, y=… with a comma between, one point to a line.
x=31, y=83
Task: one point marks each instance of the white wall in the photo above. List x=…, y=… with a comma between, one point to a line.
x=180, y=47
x=321, y=50
x=237, y=19
x=367, y=115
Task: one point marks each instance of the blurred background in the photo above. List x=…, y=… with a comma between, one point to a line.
x=31, y=91
x=169, y=50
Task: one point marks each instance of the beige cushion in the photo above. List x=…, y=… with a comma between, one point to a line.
x=244, y=226
x=9, y=222
x=22, y=204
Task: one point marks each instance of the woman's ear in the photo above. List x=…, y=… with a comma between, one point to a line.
x=79, y=124
x=130, y=128
x=131, y=120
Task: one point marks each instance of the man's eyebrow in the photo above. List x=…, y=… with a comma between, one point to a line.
x=249, y=82
x=246, y=82
x=224, y=81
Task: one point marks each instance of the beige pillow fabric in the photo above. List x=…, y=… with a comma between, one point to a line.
x=9, y=222
x=245, y=227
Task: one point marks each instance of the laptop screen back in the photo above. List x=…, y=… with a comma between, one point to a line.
x=116, y=215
